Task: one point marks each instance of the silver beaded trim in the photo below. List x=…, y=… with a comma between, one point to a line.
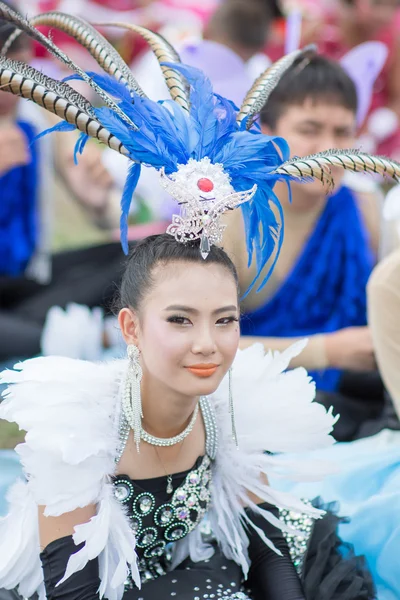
x=298, y=544
x=210, y=424
x=156, y=441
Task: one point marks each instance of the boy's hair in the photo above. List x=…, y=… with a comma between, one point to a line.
x=22, y=42
x=243, y=23
x=317, y=78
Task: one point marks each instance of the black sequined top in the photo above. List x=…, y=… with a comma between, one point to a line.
x=159, y=519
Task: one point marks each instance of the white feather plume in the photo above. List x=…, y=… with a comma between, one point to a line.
x=70, y=410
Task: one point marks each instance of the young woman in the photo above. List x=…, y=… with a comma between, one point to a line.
x=191, y=514
x=148, y=477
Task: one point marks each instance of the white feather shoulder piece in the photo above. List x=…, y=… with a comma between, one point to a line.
x=70, y=411
x=275, y=413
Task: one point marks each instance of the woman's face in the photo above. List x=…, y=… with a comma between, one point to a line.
x=187, y=329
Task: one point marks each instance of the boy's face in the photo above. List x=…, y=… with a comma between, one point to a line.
x=315, y=126
x=8, y=102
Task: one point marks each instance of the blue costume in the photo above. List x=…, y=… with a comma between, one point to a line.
x=325, y=290
x=18, y=211
x=367, y=489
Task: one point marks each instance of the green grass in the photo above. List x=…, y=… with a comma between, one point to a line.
x=10, y=435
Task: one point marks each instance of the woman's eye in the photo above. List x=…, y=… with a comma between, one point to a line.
x=227, y=320
x=178, y=320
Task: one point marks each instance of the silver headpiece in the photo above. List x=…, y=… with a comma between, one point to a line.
x=204, y=192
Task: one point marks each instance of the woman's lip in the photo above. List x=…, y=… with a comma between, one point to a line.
x=203, y=366
x=203, y=371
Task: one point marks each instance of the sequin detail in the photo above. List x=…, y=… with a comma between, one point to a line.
x=156, y=526
x=298, y=544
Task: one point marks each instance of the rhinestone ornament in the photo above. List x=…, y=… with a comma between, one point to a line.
x=205, y=185
x=298, y=544
x=204, y=192
x=175, y=519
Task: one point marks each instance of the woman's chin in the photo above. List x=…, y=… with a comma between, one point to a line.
x=204, y=387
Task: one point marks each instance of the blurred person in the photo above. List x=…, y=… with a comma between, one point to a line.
x=318, y=286
x=336, y=27
x=31, y=280
x=384, y=319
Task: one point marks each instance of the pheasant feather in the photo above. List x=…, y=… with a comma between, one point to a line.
x=261, y=89
x=16, y=19
x=164, y=53
x=318, y=166
x=101, y=50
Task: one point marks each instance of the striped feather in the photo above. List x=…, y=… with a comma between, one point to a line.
x=18, y=20
x=164, y=53
x=58, y=98
x=318, y=166
x=101, y=50
x=261, y=89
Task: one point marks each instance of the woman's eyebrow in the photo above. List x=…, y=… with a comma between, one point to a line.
x=190, y=310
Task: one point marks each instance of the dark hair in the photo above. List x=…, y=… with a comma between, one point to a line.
x=157, y=250
x=243, y=23
x=317, y=78
x=6, y=29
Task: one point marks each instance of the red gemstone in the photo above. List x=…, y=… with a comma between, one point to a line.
x=205, y=185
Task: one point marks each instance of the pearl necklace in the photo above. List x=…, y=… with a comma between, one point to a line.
x=209, y=419
x=156, y=441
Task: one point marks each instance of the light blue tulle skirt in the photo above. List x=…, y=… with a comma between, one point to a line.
x=367, y=488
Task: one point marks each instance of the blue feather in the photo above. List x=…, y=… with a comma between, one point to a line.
x=129, y=188
x=109, y=84
x=62, y=126
x=80, y=145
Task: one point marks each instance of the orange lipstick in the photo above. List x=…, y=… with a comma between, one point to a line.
x=203, y=370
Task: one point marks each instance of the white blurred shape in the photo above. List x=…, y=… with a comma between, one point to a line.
x=76, y=332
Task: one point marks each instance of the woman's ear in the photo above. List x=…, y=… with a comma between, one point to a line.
x=129, y=325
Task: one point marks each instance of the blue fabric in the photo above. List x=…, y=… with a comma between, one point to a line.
x=18, y=211
x=367, y=488
x=326, y=289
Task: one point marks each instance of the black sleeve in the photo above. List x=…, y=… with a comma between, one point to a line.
x=271, y=577
x=82, y=585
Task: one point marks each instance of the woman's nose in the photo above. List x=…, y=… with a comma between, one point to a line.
x=204, y=342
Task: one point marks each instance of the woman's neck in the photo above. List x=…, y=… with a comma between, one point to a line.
x=165, y=412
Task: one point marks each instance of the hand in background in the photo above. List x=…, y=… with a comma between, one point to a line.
x=89, y=180
x=351, y=349
x=14, y=150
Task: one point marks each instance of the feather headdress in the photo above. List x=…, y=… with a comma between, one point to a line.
x=210, y=155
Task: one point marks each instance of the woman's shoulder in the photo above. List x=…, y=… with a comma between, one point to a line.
x=41, y=389
x=275, y=406
x=69, y=410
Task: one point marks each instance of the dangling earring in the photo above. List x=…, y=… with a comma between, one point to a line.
x=231, y=409
x=132, y=403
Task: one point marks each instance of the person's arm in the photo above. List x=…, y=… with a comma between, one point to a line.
x=370, y=205
x=14, y=149
x=313, y=357
x=350, y=348
x=272, y=576
x=57, y=546
x=384, y=319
